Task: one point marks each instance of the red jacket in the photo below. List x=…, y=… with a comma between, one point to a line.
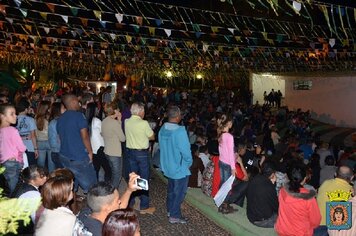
x=298, y=213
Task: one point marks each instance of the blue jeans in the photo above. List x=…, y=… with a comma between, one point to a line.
x=11, y=174
x=115, y=163
x=44, y=151
x=56, y=160
x=83, y=171
x=225, y=172
x=31, y=158
x=125, y=163
x=267, y=223
x=139, y=164
x=176, y=190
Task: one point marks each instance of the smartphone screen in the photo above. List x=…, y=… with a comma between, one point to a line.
x=142, y=183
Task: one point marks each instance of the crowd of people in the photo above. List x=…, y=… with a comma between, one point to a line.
x=89, y=143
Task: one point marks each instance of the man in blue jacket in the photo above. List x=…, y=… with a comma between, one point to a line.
x=176, y=158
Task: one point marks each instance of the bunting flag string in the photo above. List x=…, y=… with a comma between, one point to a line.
x=224, y=29
x=84, y=22
x=214, y=29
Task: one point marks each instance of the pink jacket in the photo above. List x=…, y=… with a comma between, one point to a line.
x=226, y=150
x=298, y=213
x=11, y=145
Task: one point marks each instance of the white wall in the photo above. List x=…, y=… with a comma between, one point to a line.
x=331, y=99
x=265, y=82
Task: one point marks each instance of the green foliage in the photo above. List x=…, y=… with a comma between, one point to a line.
x=14, y=210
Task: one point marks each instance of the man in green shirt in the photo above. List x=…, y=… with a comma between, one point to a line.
x=138, y=134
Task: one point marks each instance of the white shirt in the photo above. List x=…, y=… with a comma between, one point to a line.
x=96, y=139
x=32, y=194
x=57, y=222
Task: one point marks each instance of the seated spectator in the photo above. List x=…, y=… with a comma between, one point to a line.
x=344, y=156
x=121, y=222
x=262, y=201
x=314, y=166
x=328, y=171
x=307, y=149
x=196, y=168
x=323, y=152
x=57, y=218
x=31, y=178
x=207, y=178
x=298, y=212
x=102, y=199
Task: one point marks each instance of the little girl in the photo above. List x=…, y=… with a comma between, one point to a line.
x=11, y=146
x=227, y=160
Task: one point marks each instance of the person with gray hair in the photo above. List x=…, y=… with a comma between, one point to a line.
x=137, y=108
x=176, y=159
x=138, y=134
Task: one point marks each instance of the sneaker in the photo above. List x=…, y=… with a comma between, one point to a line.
x=177, y=220
x=149, y=210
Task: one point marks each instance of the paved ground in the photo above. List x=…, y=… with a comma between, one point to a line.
x=158, y=224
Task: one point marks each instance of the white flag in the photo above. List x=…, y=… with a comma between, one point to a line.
x=119, y=17
x=168, y=32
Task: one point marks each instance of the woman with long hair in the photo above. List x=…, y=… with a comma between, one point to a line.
x=57, y=218
x=113, y=134
x=57, y=109
x=42, y=121
x=298, y=212
x=227, y=160
x=123, y=222
x=97, y=141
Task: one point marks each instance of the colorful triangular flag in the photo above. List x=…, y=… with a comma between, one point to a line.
x=51, y=6
x=119, y=17
x=158, y=22
x=44, y=15
x=24, y=12
x=128, y=38
x=168, y=32
x=74, y=11
x=97, y=14
x=103, y=23
x=65, y=18
x=18, y=3
x=205, y=47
